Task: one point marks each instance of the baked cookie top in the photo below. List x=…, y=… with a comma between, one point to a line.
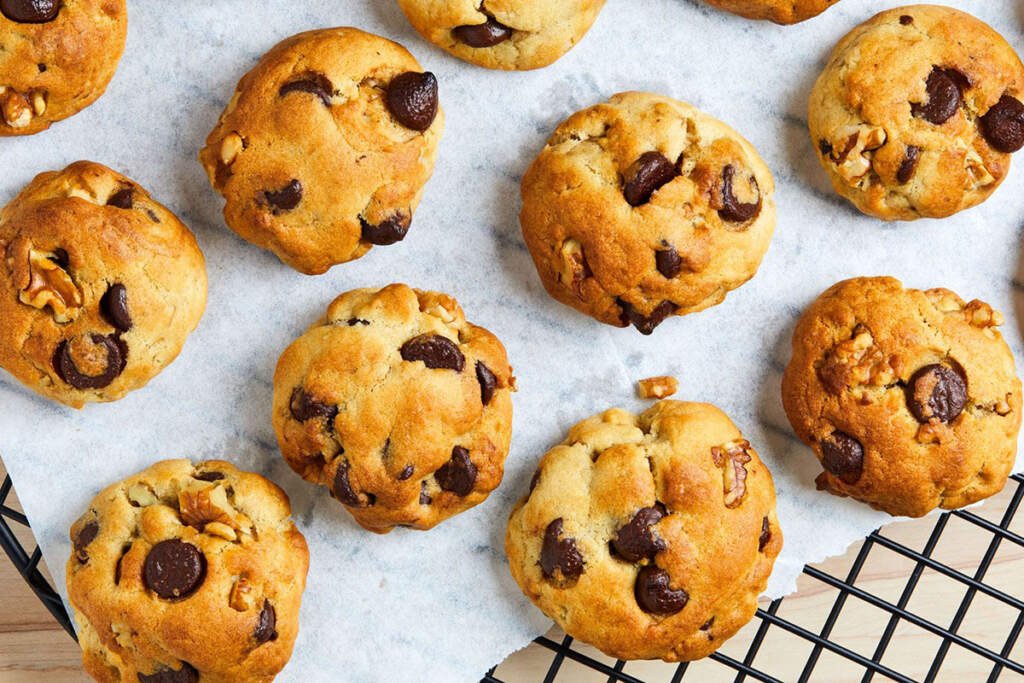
x=100, y=285
x=325, y=147
x=56, y=58
x=648, y=536
x=187, y=572
x=644, y=207
x=398, y=405
x=909, y=398
x=779, y=11
x=503, y=34
x=917, y=113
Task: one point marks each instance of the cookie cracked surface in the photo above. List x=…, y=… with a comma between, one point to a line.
x=100, y=285
x=325, y=147
x=644, y=207
x=187, y=573
x=398, y=405
x=909, y=398
x=917, y=113
x=648, y=536
x=56, y=58
x=503, y=34
x=778, y=11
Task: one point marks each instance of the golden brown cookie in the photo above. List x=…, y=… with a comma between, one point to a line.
x=648, y=536
x=644, y=207
x=396, y=404
x=56, y=58
x=909, y=398
x=503, y=34
x=917, y=113
x=100, y=285
x=325, y=147
x=779, y=11
x=185, y=573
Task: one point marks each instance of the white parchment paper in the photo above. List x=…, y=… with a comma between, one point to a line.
x=441, y=606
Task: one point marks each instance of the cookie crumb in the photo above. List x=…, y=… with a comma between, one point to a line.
x=657, y=387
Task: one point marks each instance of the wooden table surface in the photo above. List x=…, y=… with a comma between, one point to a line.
x=33, y=648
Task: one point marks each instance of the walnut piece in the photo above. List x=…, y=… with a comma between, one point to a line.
x=15, y=108
x=203, y=505
x=42, y=282
x=980, y=314
x=230, y=147
x=573, y=268
x=732, y=458
x=243, y=595
x=855, y=362
x=854, y=144
x=657, y=387
x=141, y=495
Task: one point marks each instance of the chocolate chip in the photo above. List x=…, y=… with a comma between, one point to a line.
x=120, y=560
x=646, y=176
x=312, y=83
x=1003, y=125
x=654, y=594
x=936, y=392
x=436, y=352
x=41, y=67
x=266, y=624
x=352, y=322
x=706, y=626
x=766, y=535
x=405, y=473
x=732, y=209
x=488, y=34
x=344, y=492
x=116, y=359
x=412, y=99
x=458, y=475
x=843, y=456
x=645, y=324
x=425, y=498
x=560, y=554
x=174, y=569
x=122, y=199
x=114, y=307
x=30, y=11
x=825, y=147
x=212, y=475
x=86, y=536
x=906, y=20
x=534, y=480
x=668, y=261
x=186, y=674
x=944, y=96
x=285, y=199
x=389, y=231
x=304, y=407
x=488, y=382
x=636, y=540
x=61, y=258
x=909, y=164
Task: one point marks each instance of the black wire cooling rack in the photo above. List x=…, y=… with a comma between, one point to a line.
x=758, y=659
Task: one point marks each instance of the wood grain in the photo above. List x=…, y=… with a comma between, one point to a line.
x=33, y=648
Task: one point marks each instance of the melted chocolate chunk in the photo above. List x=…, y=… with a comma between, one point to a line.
x=174, y=569
x=435, y=351
x=936, y=392
x=266, y=624
x=668, y=261
x=560, y=554
x=488, y=34
x=945, y=94
x=122, y=199
x=86, y=536
x=1003, y=125
x=654, y=594
x=646, y=176
x=412, y=99
x=285, y=199
x=732, y=209
x=458, y=475
x=636, y=540
x=186, y=674
x=313, y=83
x=843, y=456
x=909, y=164
x=304, y=407
x=114, y=307
x=389, y=231
x=30, y=11
x=487, y=381
x=116, y=359
x=645, y=324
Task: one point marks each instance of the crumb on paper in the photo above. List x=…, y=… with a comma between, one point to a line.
x=657, y=387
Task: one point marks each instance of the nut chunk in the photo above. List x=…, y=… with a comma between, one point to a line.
x=657, y=387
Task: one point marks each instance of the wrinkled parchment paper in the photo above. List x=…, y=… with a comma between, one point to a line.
x=441, y=606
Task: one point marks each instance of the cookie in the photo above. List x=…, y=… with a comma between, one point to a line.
x=909, y=398
x=100, y=285
x=648, y=536
x=396, y=404
x=917, y=113
x=325, y=147
x=506, y=34
x=644, y=207
x=56, y=58
x=184, y=573
x=779, y=11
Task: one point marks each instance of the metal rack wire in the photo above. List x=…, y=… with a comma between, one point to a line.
x=744, y=665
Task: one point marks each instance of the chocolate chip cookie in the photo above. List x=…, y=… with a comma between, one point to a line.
x=396, y=404
x=100, y=285
x=325, y=147
x=917, y=113
x=503, y=34
x=909, y=398
x=648, y=536
x=644, y=207
x=184, y=573
x=779, y=11
x=56, y=58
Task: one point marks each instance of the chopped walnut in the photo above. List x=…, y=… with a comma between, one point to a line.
x=15, y=108
x=220, y=530
x=243, y=594
x=976, y=169
x=855, y=362
x=230, y=147
x=980, y=314
x=1002, y=406
x=945, y=300
x=42, y=282
x=732, y=458
x=854, y=161
x=141, y=495
x=657, y=387
x=201, y=505
x=573, y=268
